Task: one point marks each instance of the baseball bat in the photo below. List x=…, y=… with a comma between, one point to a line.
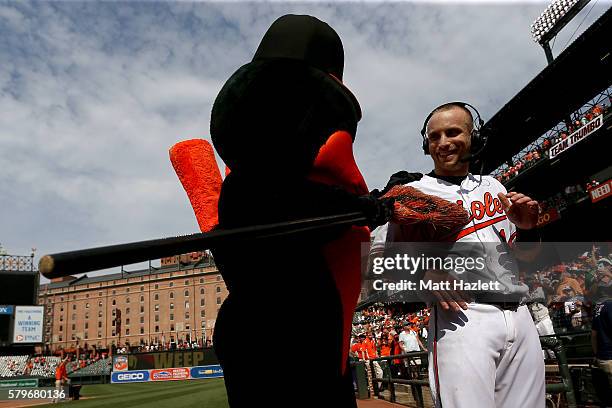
x=92, y=259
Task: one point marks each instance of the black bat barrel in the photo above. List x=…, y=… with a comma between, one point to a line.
x=86, y=260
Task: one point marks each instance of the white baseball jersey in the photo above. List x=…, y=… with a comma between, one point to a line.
x=487, y=225
x=484, y=356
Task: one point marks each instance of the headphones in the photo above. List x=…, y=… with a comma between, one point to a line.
x=477, y=142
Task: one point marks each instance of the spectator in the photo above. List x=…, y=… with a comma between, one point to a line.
x=370, y=347
x=358, y=349
x=601, y=337
x=61, y=377
x=567, y=280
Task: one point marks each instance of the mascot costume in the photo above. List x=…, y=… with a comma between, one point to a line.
x=284, y=124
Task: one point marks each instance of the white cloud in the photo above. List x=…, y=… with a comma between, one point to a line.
x=93, y=95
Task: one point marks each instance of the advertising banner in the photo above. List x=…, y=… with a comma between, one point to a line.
x=129, y=376
x=28, y=382
x=602, y=191
x=581, y=134
x=28, y=325
x=170, y=374
x=120, y=363
x=168, y=359
x=167, y=374
x=548, y=216
x=211, y=371
x=6, y=310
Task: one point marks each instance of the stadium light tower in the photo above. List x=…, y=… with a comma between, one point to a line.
x=552, y=20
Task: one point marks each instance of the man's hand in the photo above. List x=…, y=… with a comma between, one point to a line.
x=377, y=211
x=520, y=209
x=448, y=298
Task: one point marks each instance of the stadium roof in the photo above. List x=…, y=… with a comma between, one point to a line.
x=84, y=279
x=580, y=72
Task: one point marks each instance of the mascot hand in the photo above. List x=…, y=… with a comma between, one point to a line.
x=377, y=211
x=399, y=178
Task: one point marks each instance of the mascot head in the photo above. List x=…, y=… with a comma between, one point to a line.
x=274, y=113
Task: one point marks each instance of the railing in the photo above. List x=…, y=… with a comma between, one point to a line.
x=388, y=379
x=554, y=343
x=602, y=98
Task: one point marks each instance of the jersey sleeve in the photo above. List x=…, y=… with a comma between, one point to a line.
x=379, y=239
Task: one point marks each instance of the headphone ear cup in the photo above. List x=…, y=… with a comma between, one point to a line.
x=476, y=142
x=425, y=146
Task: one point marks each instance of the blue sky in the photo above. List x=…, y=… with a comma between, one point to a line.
x=92, y=95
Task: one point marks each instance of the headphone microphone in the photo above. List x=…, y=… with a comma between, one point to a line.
x=477, y=141
x=473, y=156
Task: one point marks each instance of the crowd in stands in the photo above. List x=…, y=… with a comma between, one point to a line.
x=568, y=289
x=569, y=195
x=540, y=151
x=388, y=330
x=571, y=289
x=162, y=346
x=592, y=184
x=12, y=366
x=98, y=367
x=45, y=365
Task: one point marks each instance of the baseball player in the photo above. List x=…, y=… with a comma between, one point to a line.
x=482, y=353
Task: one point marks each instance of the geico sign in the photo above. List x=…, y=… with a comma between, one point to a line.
x=130, y=376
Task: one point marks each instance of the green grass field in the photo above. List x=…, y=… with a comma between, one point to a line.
x=171, y=394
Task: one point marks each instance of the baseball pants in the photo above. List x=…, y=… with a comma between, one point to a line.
x=485, y=357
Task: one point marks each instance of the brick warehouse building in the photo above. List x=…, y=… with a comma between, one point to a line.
x=177, y=301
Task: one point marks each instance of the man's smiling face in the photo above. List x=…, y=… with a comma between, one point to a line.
x=449, y=137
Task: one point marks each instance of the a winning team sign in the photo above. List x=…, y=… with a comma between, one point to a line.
x=168, y=374
x=28, y=327
x=576, y=137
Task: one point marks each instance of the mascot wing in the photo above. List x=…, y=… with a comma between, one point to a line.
x=335, y=165
x=195, y=164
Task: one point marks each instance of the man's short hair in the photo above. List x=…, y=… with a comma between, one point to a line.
x=449, y=106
